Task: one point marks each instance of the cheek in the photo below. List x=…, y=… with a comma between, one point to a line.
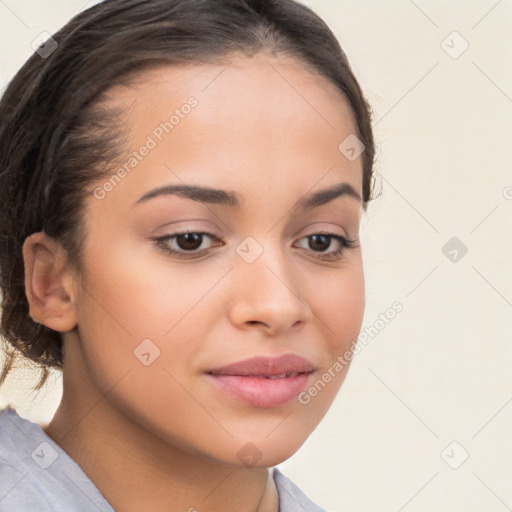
x=138, y=294
x=341, y=308
x=137, y=325
x=133, y=295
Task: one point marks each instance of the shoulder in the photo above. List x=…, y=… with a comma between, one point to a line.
x=18, y=490
x=36, y=475
x=291, y=498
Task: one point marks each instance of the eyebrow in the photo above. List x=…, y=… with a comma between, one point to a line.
x=223, y=197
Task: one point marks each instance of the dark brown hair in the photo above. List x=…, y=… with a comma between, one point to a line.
x=56, y=137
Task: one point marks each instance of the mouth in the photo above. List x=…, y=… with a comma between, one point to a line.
x=263, y=381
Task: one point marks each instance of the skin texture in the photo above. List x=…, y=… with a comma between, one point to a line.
x=160, y=436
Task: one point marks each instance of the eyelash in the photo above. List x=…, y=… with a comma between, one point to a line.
x=162, y=243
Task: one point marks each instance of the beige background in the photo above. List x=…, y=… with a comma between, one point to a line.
x=440, y=371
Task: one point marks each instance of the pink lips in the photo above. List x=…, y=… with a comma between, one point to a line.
x=264, y=381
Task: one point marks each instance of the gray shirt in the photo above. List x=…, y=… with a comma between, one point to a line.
x=36, y=475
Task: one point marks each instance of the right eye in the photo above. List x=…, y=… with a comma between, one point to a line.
x=185, y=244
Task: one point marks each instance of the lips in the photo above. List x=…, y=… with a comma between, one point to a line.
x=263, y=381
x=266, y=366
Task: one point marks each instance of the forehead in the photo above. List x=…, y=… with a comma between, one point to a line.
x=256, y=123
x=264, y=87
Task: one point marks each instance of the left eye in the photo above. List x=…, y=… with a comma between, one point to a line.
x=187, y=244
x=324, y=240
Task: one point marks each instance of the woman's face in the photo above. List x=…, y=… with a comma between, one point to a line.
x=160, y=318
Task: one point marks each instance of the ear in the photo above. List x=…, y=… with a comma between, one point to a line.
x=49, y=284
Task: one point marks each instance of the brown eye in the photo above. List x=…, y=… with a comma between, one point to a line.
x=189, y=241
x=188, y=244
x=319, y=242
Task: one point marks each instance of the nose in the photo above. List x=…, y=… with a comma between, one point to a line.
x=266, y=295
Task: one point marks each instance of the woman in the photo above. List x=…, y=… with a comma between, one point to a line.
x=182, y=186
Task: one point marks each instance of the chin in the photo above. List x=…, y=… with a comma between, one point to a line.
x=268, y=452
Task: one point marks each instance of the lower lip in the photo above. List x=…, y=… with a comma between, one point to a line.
x=260, y=391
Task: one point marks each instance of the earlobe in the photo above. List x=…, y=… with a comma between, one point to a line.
x=49, y=285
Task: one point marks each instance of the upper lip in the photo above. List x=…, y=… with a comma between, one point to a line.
x=258, y=366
